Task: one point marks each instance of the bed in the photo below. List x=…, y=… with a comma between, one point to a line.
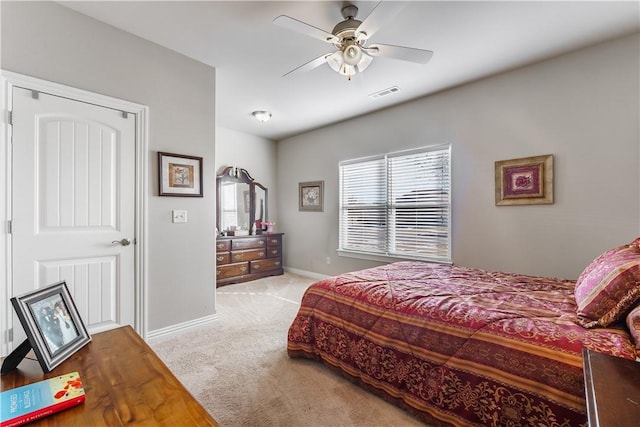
x=461, y=346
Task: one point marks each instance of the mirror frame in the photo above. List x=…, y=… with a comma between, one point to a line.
x=240, y=175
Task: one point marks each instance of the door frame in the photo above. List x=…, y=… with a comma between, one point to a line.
x=9, y=80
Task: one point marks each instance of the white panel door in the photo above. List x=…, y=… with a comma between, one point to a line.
x=73, y=197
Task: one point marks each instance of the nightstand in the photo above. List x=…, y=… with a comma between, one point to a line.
x=612, y=386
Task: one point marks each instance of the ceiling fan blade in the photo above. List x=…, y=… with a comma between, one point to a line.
x=314, y=63
x=421, y=56
x=383, y=12
x=293, y=24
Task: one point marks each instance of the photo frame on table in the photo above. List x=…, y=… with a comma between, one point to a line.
x=311, y=196
x=524, y=181
x=179, y=175
x=53, y=326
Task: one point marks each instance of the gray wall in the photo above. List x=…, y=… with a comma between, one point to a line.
x=48, y=41
x=582, y=107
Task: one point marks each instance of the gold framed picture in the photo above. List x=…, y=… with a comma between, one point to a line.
x=524, y=181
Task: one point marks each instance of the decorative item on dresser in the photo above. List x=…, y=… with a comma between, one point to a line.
x=245, y=258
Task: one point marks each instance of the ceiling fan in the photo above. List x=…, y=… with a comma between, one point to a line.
x=350, y=38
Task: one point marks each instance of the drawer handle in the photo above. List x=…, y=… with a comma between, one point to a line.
x=218, y=272
x=243, y=269
x=274, y=242
x=237, y=256
x=256, y=266
x=274, y=252
x=220, y=258
x=277, y=262
x=261, y=253
x=220, y=245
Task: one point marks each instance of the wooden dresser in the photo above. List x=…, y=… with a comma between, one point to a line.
x=245, y=258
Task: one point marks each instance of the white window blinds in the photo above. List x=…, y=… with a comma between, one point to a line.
x=397, y=205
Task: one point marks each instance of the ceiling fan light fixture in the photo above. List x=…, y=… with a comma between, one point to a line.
x=262, y=116
x=364, y=62
x=352, y=54
x=349, y=61
x=348, y=70
x=336, y=61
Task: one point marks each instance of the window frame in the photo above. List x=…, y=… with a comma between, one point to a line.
x=388, y=254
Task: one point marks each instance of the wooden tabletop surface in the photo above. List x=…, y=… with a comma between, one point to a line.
x=125, y=383
x=612, y=390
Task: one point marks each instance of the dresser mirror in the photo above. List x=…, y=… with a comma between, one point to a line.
x=240, y=202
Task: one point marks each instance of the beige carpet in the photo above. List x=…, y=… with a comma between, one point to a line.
x=238, y=369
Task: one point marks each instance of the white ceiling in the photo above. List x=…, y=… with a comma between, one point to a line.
x=470, y=40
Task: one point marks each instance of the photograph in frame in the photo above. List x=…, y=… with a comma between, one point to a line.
x=52, y=324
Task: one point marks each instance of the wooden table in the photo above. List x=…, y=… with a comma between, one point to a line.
x=125, y=382
x=612, y=386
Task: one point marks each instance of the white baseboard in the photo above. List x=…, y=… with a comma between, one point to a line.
x=305, y=273
x=180, y=328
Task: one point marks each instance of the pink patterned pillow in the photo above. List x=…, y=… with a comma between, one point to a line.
x=608, y=287
x=633, y=322
x=635, y=243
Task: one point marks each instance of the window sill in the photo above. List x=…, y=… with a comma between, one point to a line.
x=386, y=258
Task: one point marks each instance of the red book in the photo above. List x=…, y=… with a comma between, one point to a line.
x=28, y=403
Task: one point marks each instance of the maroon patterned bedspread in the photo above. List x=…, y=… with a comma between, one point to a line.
x=454, y=345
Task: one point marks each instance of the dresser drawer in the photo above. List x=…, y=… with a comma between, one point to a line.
x=273, y=251
x=223, y=258
x=248, y=255
x=223, y=245
x=231, y=270
x=273, y=241
x=248, y=243
x=265, y=265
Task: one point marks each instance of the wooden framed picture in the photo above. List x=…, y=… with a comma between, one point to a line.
x=179, y=175
x=525, y=181
x=53, y=326
x=310, y=196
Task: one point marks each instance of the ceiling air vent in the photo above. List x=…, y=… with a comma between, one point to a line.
x=385, y=92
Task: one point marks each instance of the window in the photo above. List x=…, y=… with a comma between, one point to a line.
x=397, y=205
x=229, y=203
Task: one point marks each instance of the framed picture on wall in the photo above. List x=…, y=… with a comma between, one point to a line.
x=52, y=324
x=310, y=196
x=524, y=181
x=179, y=175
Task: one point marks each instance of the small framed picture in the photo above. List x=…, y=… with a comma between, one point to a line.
x=51, y=321
x=179, y=175
x=525, y=181
x=311, y=196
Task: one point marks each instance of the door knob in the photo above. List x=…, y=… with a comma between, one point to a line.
x=123, y=242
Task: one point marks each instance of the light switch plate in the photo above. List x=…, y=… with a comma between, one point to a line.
x=179, y=216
